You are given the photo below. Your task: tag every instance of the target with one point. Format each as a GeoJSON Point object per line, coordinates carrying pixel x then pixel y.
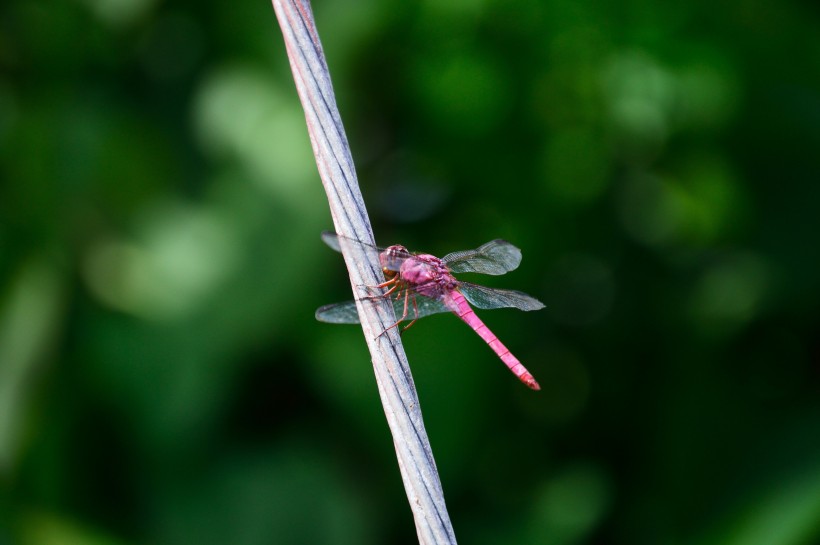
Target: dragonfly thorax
{"type": "Point", "coordinates": [427, 275]}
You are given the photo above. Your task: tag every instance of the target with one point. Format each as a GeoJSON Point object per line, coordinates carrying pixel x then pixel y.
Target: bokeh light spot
{"type": "Point", "coordinates": [242, 114]}
{"type": "Point", "coordinates": [640, 95]}
{"type": "Point", "coordinates": [700, 206]}
{"type": "Point", "coordinates": [117, 13]}
{"type": "Point", "coordinates": [572, 503]}
{"type": "Point", "coordinates": [47, 528]}
{"type": "Point", "coordinates": [183, 255]}
{"type": "Point", "coordinates": [730, 292]}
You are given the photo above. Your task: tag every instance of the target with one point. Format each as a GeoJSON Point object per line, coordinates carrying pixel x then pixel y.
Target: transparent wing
{"type": "Point", "coordinates": [346, 313]}
{"type": "Point", "coordinates": [425, 305]}
{"type": "Point", "coordinates": [338, 313]}
{"type": "Point", "coordinates": [331, 239]}
{"type": "Point", "coordinates": [496, 257]}
{"type": "Point", "coordinates": [483, 297]}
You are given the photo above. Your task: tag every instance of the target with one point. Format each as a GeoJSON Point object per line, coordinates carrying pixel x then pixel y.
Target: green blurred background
{"type": "Point", "coordinates": [162, 377]}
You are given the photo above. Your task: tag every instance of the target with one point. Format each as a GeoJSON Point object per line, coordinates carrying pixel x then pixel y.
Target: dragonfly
{"type": "Point", "coordinates": [423, 284]}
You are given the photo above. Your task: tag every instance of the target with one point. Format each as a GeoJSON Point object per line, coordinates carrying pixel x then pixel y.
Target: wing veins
{"type": "Point", "coordinates": [488, 298]}
{"type": "Point", "coordinates": [495, 257]}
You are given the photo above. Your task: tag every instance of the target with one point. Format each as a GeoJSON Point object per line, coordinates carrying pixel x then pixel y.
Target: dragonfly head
{"type": "Point", "coordinates": [391, 259]}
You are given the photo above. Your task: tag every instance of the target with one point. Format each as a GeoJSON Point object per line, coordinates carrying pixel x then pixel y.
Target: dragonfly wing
{"type": "Point", "coordinates": [338, 313]}
{"type": "Point", "coordinates": [334, 241]}
{"type": "Point", "coordinates": [346, 313]}
{"type": "Point", "coordinates": [496, 257]}
{"type": "Point", "coordinates": [331, 239]}
{"type": "Point", "coordinates": [483, 297]}
{"type": "Point", "coordinates": [425, 305]}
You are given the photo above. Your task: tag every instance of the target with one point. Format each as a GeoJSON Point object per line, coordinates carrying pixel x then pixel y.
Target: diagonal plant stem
{"type": "Point", "coordinates": [336, 169]}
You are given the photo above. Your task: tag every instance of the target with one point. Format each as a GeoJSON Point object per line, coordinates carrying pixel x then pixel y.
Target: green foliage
{"type": "Point", "coordinates": [162, 379]}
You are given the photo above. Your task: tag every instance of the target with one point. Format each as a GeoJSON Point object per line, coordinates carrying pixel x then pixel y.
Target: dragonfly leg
{"type": "Point", "coordinates": [415, 314]}
{"type": "Point", "coordinates": [378, 296]}
{"type": "Point", "coordinates": [391, 290]}
{"type": "Point", "coordinates": [394, 282]}
{"type": "Point", "coordinates": [404, 314]}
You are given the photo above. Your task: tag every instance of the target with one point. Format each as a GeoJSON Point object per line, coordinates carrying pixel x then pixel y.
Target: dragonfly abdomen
{"type": "Point", "coordinates": [463, 310]}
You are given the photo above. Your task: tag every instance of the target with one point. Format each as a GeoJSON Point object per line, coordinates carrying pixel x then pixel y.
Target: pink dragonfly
{"type": "Point", "coordinates": [426, 283]}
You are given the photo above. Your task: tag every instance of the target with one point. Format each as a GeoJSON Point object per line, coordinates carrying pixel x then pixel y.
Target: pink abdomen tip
{"type": "Point", "coordinates": [530, 381]}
